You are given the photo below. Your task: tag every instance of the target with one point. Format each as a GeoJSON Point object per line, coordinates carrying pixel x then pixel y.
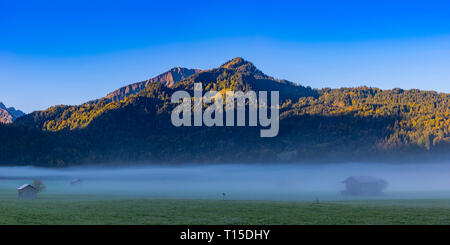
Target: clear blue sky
{"type": "Point", "coordinates": [69, 52]}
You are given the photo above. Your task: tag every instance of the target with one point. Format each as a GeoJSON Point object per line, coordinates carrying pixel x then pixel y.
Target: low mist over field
{"type": "Point", "coordinates": [237, 181]}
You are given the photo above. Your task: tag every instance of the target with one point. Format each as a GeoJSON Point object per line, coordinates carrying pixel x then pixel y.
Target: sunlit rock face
{"type": "Point", "coordinates": [8, 115]}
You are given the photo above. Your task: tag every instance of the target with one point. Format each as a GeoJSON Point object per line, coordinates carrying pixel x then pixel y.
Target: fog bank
{"type": "Point", "coordinates": [237, 181]}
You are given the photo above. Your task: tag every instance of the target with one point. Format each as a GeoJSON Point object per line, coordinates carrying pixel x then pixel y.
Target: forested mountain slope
{"type": "Point", "coordinates": [347, 124]}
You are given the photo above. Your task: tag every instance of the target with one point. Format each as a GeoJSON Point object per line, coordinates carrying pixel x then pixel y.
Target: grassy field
{"type": "Point", "coordinates": [85, 210]}
{"type": "Point", "coordinates": [189, 196]}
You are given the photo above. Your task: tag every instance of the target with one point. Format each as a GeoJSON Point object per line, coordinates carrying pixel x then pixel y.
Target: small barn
{"type": "Point", "coordinates": [27, 191]}
{"type": "Point", "coordinates": [364, 186]}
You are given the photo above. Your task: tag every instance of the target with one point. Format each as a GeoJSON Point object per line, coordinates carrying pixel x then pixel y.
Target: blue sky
{"type": "Point", "coordinates": [69, 52]}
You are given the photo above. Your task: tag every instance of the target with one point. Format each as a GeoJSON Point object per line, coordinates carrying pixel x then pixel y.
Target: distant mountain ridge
{"type": "Point", "coordinates": [168, 78]}
{"type": "Point", "coordinates": [9, 115]}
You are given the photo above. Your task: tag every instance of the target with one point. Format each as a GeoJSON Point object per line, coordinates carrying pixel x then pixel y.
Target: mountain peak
{"type": "Point", "coordinates": [8, 115]}
{"type": "Point", "coordinates": [236, 63]}
{"type": "Point", "coordinates": [178, 69]}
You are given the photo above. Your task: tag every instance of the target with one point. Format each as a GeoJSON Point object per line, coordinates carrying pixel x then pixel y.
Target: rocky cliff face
{"type": "Point", "coordinates": [8, 115]}
{"type": "Point", "coordinates": [168, 78]}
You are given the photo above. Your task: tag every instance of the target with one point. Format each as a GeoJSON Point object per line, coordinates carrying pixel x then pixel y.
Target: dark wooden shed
{"type": "Point", "coordinates": [27, 191]}
{"type": "Point", "coordinates": [364, 186]}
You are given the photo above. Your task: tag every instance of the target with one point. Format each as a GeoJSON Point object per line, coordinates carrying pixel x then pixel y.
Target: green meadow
{"type": "Point", "coordinates": [94, 210]}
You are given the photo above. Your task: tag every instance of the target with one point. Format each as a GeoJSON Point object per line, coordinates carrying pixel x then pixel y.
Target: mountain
{"type": "Point", "coordinates": [316, 125]}
{"type": "Point", "coordinates": [236, 74]}
{"type": "Point", "coordinates": [8, 115]}
{"type": "Point", "coordinates": [168, 78]}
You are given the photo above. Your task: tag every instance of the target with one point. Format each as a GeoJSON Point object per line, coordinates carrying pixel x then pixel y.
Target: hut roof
{"type": "Point", "coordinates": [25, 186]}
{"type": "Point", "coordinates": [362, 179]}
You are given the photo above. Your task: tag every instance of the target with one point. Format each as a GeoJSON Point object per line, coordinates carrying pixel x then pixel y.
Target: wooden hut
{"type": "Point", "coordinates": [364, 186]}
{"type": "Point", "coordinates": [27, 191]}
